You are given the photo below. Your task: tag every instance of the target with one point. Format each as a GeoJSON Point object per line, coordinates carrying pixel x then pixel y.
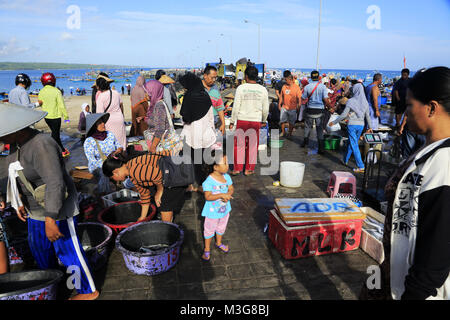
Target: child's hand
{"type": "Point", "coordinates": [226, 197]}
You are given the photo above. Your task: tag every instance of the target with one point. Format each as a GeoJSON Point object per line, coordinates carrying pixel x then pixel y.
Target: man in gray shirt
{"type": "Point", "coordinates": [19, 94]}
{"type": "Point", "coordinates": [317, 95]}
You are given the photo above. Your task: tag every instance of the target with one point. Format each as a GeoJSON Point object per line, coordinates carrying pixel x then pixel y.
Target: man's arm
{"type": "Point", "coordinates": [25, 101]}
{"type": "Point", "coordinates": [403, 124]}
{"type": "Point", "coordinates": [375, 93]}
{"type": "Point", "coordinates": [222, 121]}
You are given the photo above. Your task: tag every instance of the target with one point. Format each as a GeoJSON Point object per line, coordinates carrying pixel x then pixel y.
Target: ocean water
{"type": "Point", "coordinates": [65, 78]}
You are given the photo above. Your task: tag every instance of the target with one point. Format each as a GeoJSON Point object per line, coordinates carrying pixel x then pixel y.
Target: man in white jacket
{"type": "Point", "coordinates": [250, 111]}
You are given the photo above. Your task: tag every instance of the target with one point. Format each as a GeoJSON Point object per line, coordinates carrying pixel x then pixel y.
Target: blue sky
{"type": "Point", "coordinates": [175, 33]}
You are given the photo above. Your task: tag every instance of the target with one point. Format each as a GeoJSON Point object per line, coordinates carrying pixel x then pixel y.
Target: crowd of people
{"type": "Point", "coordinates": [43, 194]}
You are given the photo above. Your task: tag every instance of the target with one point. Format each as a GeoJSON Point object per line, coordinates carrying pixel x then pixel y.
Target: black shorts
{"type": "Point", "coordinates": [172, 199]}
{"type": "Point", "coordinates": [400, 108]}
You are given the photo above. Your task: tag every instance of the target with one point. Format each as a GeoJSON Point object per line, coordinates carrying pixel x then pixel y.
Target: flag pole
{"type": "Point", "coordinates": [318, 37]}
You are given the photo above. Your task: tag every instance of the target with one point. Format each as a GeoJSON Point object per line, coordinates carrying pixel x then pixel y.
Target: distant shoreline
{"type": "Point", "coordinates": [12, 66]}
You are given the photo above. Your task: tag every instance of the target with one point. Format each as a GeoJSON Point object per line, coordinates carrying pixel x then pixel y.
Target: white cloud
{"type": "Point", "coordinates": [66, 36]}
{"type": "Point", "coordinates": [41, 7]}
{"type": "Point", "coordinates": [11, 47]}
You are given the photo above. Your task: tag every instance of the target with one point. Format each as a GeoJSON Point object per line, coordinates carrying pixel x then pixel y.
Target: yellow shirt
{"type": "Point", "coordinates": [53, 103]}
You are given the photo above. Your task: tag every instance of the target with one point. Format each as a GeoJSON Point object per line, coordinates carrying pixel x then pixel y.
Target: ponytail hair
{"type": "Point", "coordinates": [112, 163]}
{"type": "Point", "coordinates": [217, 155]}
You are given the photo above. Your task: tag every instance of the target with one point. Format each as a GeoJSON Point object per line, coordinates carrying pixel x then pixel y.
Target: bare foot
{"type": "Point", "coordinates": [86, 296]}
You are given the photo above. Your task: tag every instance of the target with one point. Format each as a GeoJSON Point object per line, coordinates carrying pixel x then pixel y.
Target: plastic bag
{"type": "Point", "coordinates": [335, 127]}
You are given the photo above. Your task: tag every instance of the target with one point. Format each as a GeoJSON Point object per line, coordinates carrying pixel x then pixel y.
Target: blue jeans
{"type": "Point", "coordinates": [354, 133]}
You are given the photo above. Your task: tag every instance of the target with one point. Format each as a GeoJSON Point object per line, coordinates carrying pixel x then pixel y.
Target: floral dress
{"type": "Point", "coordinates": [95, 161]}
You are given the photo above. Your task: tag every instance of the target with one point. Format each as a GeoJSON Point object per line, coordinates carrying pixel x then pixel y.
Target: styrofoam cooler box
{"type": "Point", "coordinates": [300, 211]}
{"type": "Point", "coordinates": [111, 199]}
{"type": "Point", "coordinates": [315, 239]}
{"type": "Point", "coordinates": [370, 244]}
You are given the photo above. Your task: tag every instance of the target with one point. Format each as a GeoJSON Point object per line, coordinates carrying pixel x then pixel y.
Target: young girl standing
{"type": "Point", "coordinates": [218, 189]}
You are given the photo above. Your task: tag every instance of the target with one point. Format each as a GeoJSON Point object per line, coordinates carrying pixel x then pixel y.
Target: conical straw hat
{"type": "Point", "coordinates": [14, 118]}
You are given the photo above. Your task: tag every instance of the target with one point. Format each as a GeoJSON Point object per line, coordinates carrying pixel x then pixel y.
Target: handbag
{"type": "Point", "coordinates": [37, 193]}
{"type": "Point", "coordinates": [176, 175]}
{"type": "Point", "coordinates": [170, 141]}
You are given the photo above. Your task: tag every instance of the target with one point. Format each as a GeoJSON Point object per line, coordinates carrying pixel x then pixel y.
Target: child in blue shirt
{"type": "Point", "coordinates": [218, 189]}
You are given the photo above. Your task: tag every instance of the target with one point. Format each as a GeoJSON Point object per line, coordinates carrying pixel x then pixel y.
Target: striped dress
{"type": "Point", "coordinates": [144, 173]}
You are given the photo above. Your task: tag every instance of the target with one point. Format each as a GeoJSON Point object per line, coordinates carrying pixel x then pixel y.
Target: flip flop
{"type": "Point", "coordinates": [223, 248]}
{"type": "Point", "coordinates": [235, 173]}
{"type": "Point", "coordinates": [206, 255]}
{"type": "Point", "coordinates": [249, 173]}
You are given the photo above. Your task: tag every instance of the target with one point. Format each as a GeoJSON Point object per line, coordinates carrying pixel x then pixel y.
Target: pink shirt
{"type": "Point", "coordinates": [102, 100]}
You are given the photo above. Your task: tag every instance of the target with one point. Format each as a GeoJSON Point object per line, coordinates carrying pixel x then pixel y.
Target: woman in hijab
{"type": "Point", "coordinates": [198, 117]}
{"type": "Point", "coordinates": [156, 116]}
{"type": "Point", "coordinates": [98, 146]}
{"type": "Point", "coordinates": [357, 109]}
{"type": "Point", "coordinates": [139, 106]}
{"type": "Point", "coordinates": [84, 112]}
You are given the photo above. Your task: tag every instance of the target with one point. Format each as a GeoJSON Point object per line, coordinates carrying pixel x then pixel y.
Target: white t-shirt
{"type": "Point", "coordinates": [251, 103]}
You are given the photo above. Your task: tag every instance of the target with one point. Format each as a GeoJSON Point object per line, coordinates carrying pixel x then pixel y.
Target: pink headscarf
{"type": "Point", "coordinates": [155, 91]}
{"type": "Point", "coordinates": [138, 92]}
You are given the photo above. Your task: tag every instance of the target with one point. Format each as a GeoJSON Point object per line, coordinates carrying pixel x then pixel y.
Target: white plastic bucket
{"type": "Point", "coordinates": [291, 174]}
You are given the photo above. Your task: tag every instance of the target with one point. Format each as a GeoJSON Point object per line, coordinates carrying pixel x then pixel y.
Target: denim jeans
{"type": "Point", "coordinates": [354, 133]}
{"type": "Point", "coordinates": [309, 121]}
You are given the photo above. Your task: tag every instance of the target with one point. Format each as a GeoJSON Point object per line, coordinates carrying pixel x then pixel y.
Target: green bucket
{"type": "Point", "coordinates": [276, 143]}
{"type": "Point", "coordinates": [331, 142]}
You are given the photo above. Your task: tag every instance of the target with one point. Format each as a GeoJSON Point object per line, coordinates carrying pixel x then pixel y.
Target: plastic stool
{"type": "Point", "coordinates": [339, 178]}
